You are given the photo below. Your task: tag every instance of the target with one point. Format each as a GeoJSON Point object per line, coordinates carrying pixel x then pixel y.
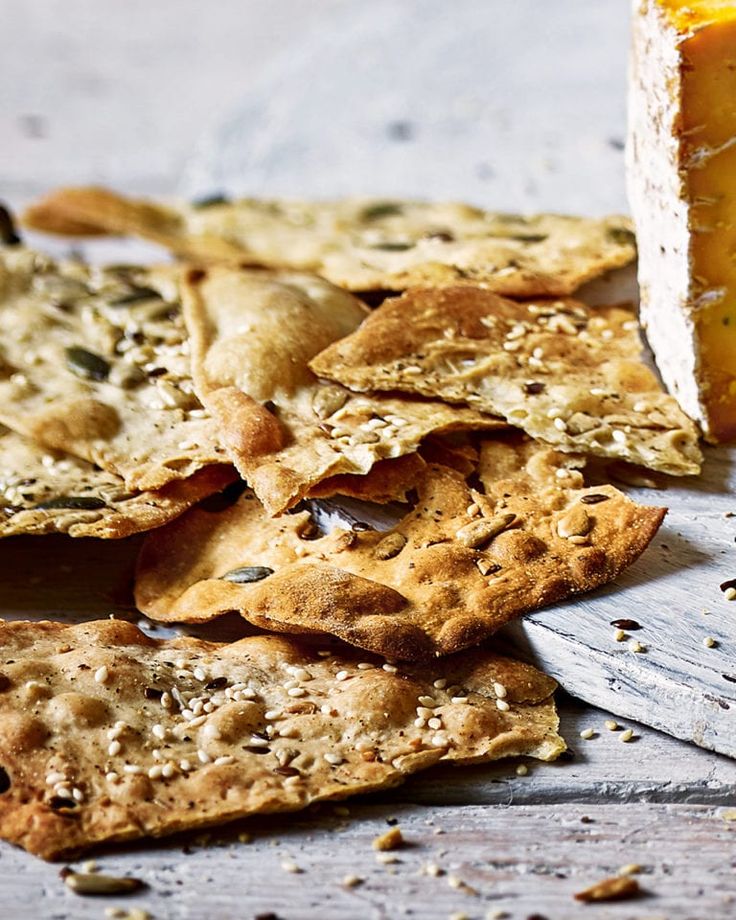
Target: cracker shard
{"type": "Point", "coordinates": [363, 244]}
{"type": "Point", "coordinates": [566, 374]}
{"type": "Point", "coordinates": [457, 567]}
{"type": "Point", "coordinates": [84, 762]}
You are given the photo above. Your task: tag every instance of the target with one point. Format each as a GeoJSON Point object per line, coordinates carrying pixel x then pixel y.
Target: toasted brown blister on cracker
{"type": "Point", "coordinates": [570, 375]}
{"type": "Point", "coordinates": [361, 244]}
{"type": "Point", "coordinates": [457, 567]}
{"type": "Point", "coordinates": [44, 491]}
{"type": "Point", "coordinates": [95, 362]}
{"type": "Point", "coordinates": [252, 335]}
{"type": "Point", "coordinates": [109, 735]}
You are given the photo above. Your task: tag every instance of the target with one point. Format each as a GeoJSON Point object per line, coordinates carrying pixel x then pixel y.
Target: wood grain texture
{"type": "Point", "coordinates": [519, 861]}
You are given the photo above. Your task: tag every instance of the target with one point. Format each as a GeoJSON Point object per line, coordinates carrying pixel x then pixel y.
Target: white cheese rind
{"type": "Point", "coordinates": [660, 207]}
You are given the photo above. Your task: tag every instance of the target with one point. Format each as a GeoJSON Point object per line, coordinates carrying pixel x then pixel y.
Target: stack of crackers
{"type": "Point", "coordinates": [428, 357]}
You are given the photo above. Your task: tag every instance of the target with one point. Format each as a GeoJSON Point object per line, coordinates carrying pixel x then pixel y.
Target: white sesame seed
{"type": "Point", "coordinates": [224, 760]}
{"type": "Point", "coordinates": [472, 510]}
{"type": "Point", "coordinates": [77, 794]}
{"type": "Point", "coordinates": [587, 733]}
{"type": "Point", "coordinates": [301, 674]}
{"type": "Point", "coordinates": [292, 867]}
{"type": "Point", "coordinates": [363, 745]}
{"type": "Point", "coordinates": [560, 424]}
{"type": "Point", "coordinates": [325, 709]}
{"type": "Point", "coordinates": [709, 642]}
{"type": "Point", "coordinates": [459, 699]}
{"type": "Point", "coordinates": [101, 675]}
{"type": "Point", "coordinates": [187, 715]}
{"type": "Point", "coordinates": [296, 691]}
{"type": "Point", "coordinates": [112, 776]}
{"type": "Point", "coordinates": [204, 757]}
{"type": "Point", "coordinates": [499, 690]}
{"type": "Point", "coordinates": [365, 666]}
{"type": "Point", "coordinates": [257, 742]}
{"type": "Point", "coordinates": [352, 881]}
{"type": "Point", "coordinates": [185, 766]}
{"type": "Point", "coordinates": [597, 391]}
{"type": "Point", "coordinates": [627, 735]}
{"type": "Point", "coordinates": [434, 870]}
{"type": "Point", "coordinates": [454, 882]}
{"type": "Point", "coordinates": [155, 772]}
{"type": "Point", "coordinates": [428, 701]}
{"type": "Point", "coordinates": [730, 594]}
{"type": "Point", "coordinates": [197, 721]}
{"type": "Point", "coordinates": [522, 769]}
{"type": "Point", "coordinates": [619, 635]}
{"type": "Point", "coordinates": [158, 731]}
{"type": "Point", "coordinates": [132, 768]}
{"type": "Point", "coordinates": [199, 674]}
{"type": "Point", "coordinates": [114, 748]}
{"type": "Point", "coordinates": [248, 693]}
{"type": "Point", "coordinates": [619, 436]}
{"type": "Point", "coordinates": [420, 723]}
{"type": "Point", "coordinates": [167, 771]}
{"type": "Point", "coordinates": [424, 712]}
{"type": "Point", "coordinates": [333, 759]}
{"type": "Point", "coordinates": [611, 725]}
{"type": "Point", "coordinates": [166, 700]}
{"type": "Point", "coordinates": [53, 778]}
{"type": "Point", "coordinates": [342, 675]}
{"type": "Point", "coordinates": [434, 723]}
{"type": "Point", "coordinates": [502, 705]}
{"type": "Point", "coordinates": [390, 668]}
{"type": "Point", "coordinates": [273, 714]}
{"type": "Point", "coordinates": [439, 740]}
{"type": "Point", "coordinates": [554, 412]}
{"type": "Point", "coordinates": [440, 684]}
{"type": "Point", "coordinates": [636, 646]}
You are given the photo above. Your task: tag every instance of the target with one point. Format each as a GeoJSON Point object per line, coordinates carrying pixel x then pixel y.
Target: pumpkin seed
{"type": "Point", "coordinates": [592, 498]}
{"type": "Point", "coordinates": [225, 499]}
{"type": "Point", "coordinates": [94, 883]}
{"type": "Point", "coordinates": [529, 237]}
{"type": "Point", "coordinates": [482, 531]}
{"type": "Point", "coordinates": [533, 388]}
{"type": "Point", "coordinates": [8, 233]}
{"type": "Point", "coordinates": [575, 523]}
{"type": "Point", "coordinates": [4, 780]}
{"type": "Point", "coordinates": [72, 503]}
{"type": "Point", "coordinates": [380, 209]}
{"type": "Point", "coordinates": [209, 201]}
{"type": "Point", "coordinates": [246, 574]}
{"type": "Point", "coordinates": [390, 546]}
{"type": "Point", "coordinates": [622, 236]}
{"type": "Point", "coordinates": [393, 247]}
{"type": "Point", "coordinates": [86, 364]}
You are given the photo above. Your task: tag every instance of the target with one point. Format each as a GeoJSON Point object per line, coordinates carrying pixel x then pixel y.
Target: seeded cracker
{"type": "Point", "coordinates": [95, 362]}
{"type": "Point", "coordinates": [108, 735]}
{"type": "Point", "coordinates": [252, 335]}
{"type": "Point", "coordinates": [48, 492]}
{"type": "Point", "coordinates": [363, 245]}
{"type": "Point", "coordinates": [568, 375]}
{"type": "Point", "coordinates": [453, 571]}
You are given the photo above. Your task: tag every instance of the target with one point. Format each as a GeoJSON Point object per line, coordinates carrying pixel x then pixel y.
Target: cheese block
{"type": "Point", "coordinates": [681, 169]}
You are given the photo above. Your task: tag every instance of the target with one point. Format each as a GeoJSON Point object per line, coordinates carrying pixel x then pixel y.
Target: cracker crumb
{"type": "Point", "coordinates": [627, 735]}
{"type": "Point", "coordinates": [288, 866]}
{"type": "Point", "coordinates": [391, 840]}
{"type": "Point", "coordinates": [587, 733]}
{"type": "Point", "coordinates": [611, 725]}
{"type": "Point", "coordinates": [630, 869]}
{"type": "Point", "coordinates": [522, 770]}
{"type": "Point", "coordinates": [710, 642]}
{"type": "Point", "coordinates": [617, 888]}
{"type": "Point", "coordinates": [352, 881]}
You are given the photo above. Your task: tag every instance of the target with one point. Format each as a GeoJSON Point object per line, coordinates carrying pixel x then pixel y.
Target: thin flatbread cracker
{"type": "Point", "coordinates": [569, 375]}
{"type": "Point", "coordinates": [95, 362]}
{"type": "Point", "coordinates": [363, 244]}
{"type": "Point", "coordinates": [457, 567]}
{"type": "Point", "coordinates": [48, 492]}
{"type": "Point", "coordinates": [252, 334]}
{"type": "Point", "coordinates": [387, 481]}
{"type": "Point", "coordinates": [109, 735]}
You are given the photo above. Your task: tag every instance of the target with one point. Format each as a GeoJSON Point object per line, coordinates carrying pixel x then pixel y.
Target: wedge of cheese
{"type": "Point", "coordinates": [681, 168]}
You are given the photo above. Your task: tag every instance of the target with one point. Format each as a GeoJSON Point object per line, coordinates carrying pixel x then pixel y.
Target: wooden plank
{"type": "Point", "coordinates": [521, 861]}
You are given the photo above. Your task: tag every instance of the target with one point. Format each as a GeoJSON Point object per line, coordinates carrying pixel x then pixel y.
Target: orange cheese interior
{"type": "Point", "coordinates": [708, 158]}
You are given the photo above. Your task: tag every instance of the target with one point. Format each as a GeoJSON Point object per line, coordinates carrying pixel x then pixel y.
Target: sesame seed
{"type": "Point", "coordinates": [289, 866]}
{"type": "Point", "coordinates": [101, 675]}
{"type": "Point", "coordinates": [709, 642]}
{"type": "Point", "coordinates": [439, 740]}
{"type": "Point", "coordinates": [472, 510]}
{"type": "Point", "coordinates": [199, 674]}
{"type": "Point", "coordinates": [296, 691]}
{"type": "Point", "coordinates": [420, 723]}
{"type": "Point", "coordinates": [204, 757]}
{"type": "Point", "coordinates": [257, 742]}
{"type": "Point", "coordinates": [365, 666]}
{"type": "Point", "coordinates": [459, 699]}
{"type": "Point", "coordinates": [619, 436]}
{"type": "Point", "coordinates": [224, 760]}
{"type": "Point", "coordinates": [627, 735]}
{"type": "Point", "coordinates": [352, 881]}
{"type": "Point", "coordinates": [185, 766]}
{"type": "Point", "coordinates": [289, 732]}
{"type": "Point", "coordinates": [342, 675]}
{"type": "Point", "coordinates": [434, 723]}
{"type": "Point", "coordinates": [502, 705]}
{"type": "Point", "coordinates": [386, 858]}
{"type": "Point", "coordinates": [77, 794]}
{"type": "Point", "coordinates": [158, 731]}
{"type": "Point", "coordinates": [440, 684]}
{"type": "Point", "coordinates": [132, 768]}
{"type": "Point", "coordinates": [522, 769]}
{"type": "Point", "coordinates": [630, 869]}
{"type": "Point", "coordinates": [53, 778]}
{"type": "Point", "coordinates": [390, 668]}
{"type": "Point", "coordinates": [424, 712]}
{"type": "Point", "coordinates": [560, 424]}
{"type": "Point", "coordinates": [166, 700]}
{"type": "Point", "coordinates": [428, 701]}
{"type": "Point", "coordinates": [114, 748]}
{"type": "Point", "coordinates": [112, 776]}
{"type": "Point", "coordinates": [730, 594]}
{"type": "Point", "coordinates": [301, 674]}
{"type": "Point", "coordinates": [454, 882]}
{"type": "Point", "coordinates": [499, 690]}
{"type": "Point", "coordinates": [248, 693]}
{"type": "Point", "coordinates": [619, 635]}
{"type": "Point", "coordinates": [363, 745]}
{"type": "Point", "coordinates": [325, 709]}
{"type": "Point", "coordinates": [611, 725]}
{"type": "Point", "coordinates": [636, 646]}
{"type": "Point", "coordinates": [273, 714]}
{"type": "Point", "coordinates": [333, 759]}
{"type": "Point", "coordinates": [434, 870]}
{"type": "Point", "coordinates": [587, 734]}
{"type": "Point", "coordinates": [155, 772]}
{"type": "Point", "coordinates": [167, 771]}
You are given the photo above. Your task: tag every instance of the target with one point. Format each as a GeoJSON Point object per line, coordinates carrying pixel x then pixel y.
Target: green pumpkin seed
{"type": "Point", "coordinates": [209, 201]}
{"type": "Point", "coordinates": [8, 233]}
{"type": "Point", "coordinates": [622, 236]}
{"type": "Point", "coordinates": [246, 574]}
{"type": "Point", "coordinates": [86, 364]}
{"type": "Point", "coordinates": [95, 883]}
{"type": "Point", "coordinates": [529, 237]}
{"type": "Point", "coordinates": [393, 247]}
{"type": "Point", "coordinates": [380, 209]}
{"type": "Point", "coordinates": [72, 503]}
{"type": "Point", "coordinates": [136, 295]}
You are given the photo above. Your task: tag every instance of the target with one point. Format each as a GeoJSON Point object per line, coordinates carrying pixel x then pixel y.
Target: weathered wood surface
{"type": "Point", "coordinates": [516, 862]}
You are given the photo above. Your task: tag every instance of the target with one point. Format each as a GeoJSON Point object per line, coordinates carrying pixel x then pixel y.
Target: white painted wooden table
{"type": "Point", "coordinates": [515, 105]}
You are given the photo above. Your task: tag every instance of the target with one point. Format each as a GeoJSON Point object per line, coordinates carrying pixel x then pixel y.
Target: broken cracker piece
{"type": "Point", "coordinates": [567, 374]}
{"type": "Point", "coordinates": [104, 737]}
{"type": "Point", "coordinates": [362, 244]}
{"type": "Point", "coordinates": [617, 888]}
{"type": "Point", "coordinates": [457, 567]}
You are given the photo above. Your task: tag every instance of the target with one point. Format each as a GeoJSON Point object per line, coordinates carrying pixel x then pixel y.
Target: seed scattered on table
{"type": "Point", "coordinates": [610, 889]}
{"type": "Point", "coordinates": [391, 840]}
{"type": "Point", "coordinates": [709, 642]}
{"type": "Point", "coordinates": [587, 733]}
{"type": "Point", "coordinates": [627, 735]}
{"type": "Point", "coordinates": [611, 725]}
